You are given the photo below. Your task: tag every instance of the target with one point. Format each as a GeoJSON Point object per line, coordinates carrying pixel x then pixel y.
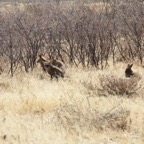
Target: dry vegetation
{"type": "Point", "coordinates": [35, 110]}
{"type": "Point", "coordinates": [95, 103]}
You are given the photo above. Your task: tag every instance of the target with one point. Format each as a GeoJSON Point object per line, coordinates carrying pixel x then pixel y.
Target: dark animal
{"type": "Point", "coordinates": [57, 63]}
{"type": "Point", "coordinates": [1, 70]}
{"type": "Point", "coordinates": [53, 71]}
{"type": "Point", "coordinates": [128, 71]}
{"type": "Point", "coordinates": [53, 61]}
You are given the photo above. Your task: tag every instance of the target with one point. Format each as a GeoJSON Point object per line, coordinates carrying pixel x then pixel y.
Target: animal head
{"type": "Point", "coordinates": [42, 62]}
{"type": "Point", "coordinates": [41, 59]}
{"type": "Point", "coordinates": [128, 71]}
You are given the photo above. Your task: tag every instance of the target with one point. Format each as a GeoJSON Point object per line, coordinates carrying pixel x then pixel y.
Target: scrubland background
{"type": "Point", "coordinates": [94, 103]}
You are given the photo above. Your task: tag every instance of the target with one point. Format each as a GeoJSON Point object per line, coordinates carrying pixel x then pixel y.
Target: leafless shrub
{"type": "Point", "coordinates": [130, 17]}
{"type": "Point", "coordinates": [77, 33]}
{"type": "Point", "coordinates": [72, 118]}
{"type": "Point", "coordinates": [121, 86]}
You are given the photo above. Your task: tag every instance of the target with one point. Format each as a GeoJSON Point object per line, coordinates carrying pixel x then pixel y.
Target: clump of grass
{"type": "Point", "coordinates": [2, 105]}
{"type": "Point", "coordinates": [73, 118]}
{"type": "Point", "coordinates": [120, 86]}
{"type": "Point", "coordinates": [35, 106]}
{"type": "Point", "coordinates": [91, 87]}
{"type": "Point", "coordinates": [117, 119]}
{"type": "Point", "coordinates": [4, 86]}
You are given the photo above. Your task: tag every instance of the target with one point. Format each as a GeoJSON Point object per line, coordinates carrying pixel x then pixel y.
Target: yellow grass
{"type": "Point", "coordinates": [30, 104]}
{"type": "Point", "coordinates": [9, 7]}
{"type": "Point", "coordinates": [99, 5]}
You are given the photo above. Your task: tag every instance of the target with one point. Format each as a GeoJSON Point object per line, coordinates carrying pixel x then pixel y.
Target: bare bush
{"type": "Point", "coordinates": [77, 33]}
{"type": "Point", "coordinates": [130, 15]}
{"type": "Point", "coordinates": [121, 86]}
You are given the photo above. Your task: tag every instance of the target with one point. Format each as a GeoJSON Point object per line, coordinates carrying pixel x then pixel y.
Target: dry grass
{"type": "Point", "coordinates": [121, 86]}
{"type": "Point", "coordinates": [36, 110]}
{"type": "Point", "coordinates": [7, 7]}
{"type": "Point", "coordinates": [99, 6]}
{"type": "Point", "coordinates": [89, 106]}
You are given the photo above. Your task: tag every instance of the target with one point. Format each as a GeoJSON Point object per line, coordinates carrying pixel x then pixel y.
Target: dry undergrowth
{"type": "Point", "coordinates": [121, 86]}
{"type": "Point", "coordinates": [72, 117]}
{"type": "Point", "coordinates": [34, 109]}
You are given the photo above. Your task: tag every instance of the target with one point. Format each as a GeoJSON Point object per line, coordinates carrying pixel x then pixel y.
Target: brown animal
{"type": "Point", "coordinates": [128, 71]}
{"type": "Point", "coordinates": [53, 71]}
{"type": "Point", "coordinates": [53, 61]}
{"type": "Point", "coordinates": [57, 63]}
{"type": "Point", "coordinates": [1, 70]}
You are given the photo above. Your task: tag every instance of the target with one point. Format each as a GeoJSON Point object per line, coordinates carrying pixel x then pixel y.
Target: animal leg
{"type": "Point", "coordinates": [51, 77]}
{"type": "Point", "coordinates": [56, 77]}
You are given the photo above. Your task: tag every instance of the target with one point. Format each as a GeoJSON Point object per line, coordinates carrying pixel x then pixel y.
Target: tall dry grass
{"type": "Point", "coordinates": [87, 106]}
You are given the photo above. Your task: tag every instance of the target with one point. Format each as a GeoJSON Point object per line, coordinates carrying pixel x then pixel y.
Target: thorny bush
{"type": "Point", "coordinates": [121, 86]}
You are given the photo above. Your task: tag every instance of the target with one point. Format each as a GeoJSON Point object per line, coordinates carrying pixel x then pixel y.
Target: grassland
{"type": "Point", "coordinates": [76, 109]}
{"type": "Point", "coordinates": [88, 106]}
